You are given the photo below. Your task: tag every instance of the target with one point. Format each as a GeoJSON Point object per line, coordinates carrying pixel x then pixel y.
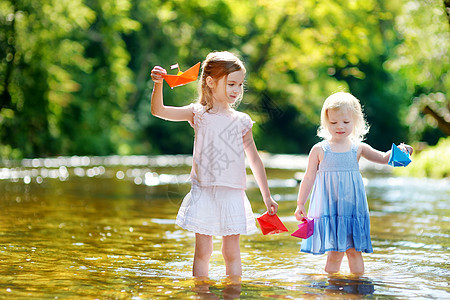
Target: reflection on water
{"type": "Point", "coordinates": [104, 227]}
{"type": "Point", "coordinates": [346, 286]}
{"type": "Point", "coordinates": [333, 286]}
{"type": "Point", "coordinates": [208, 289]}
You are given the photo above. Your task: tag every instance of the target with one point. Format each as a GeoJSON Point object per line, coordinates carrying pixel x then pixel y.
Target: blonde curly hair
{"type": "Point", "coordinates": [343, 100]}
{"type": "Point", "coordinates": [216, 66]}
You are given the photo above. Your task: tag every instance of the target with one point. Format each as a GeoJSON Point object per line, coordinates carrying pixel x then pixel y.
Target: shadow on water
{"type": "Point", "coordinates": [104, 227]}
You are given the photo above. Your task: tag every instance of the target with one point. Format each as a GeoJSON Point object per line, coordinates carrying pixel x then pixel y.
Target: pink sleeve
{"type": "Point", "coordinates": [247, 123]}
{"type": "Point", "coordinates": [198, 110]}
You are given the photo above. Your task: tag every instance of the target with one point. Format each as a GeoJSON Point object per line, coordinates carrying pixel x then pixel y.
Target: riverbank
{"type": "Point", "coordinates": [137, 166]}
{"type": "Point", "coordinates": [432, 162]}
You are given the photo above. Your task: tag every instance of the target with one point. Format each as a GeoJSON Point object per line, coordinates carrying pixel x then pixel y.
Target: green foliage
{"type": "Point", "coordinates": [432, 162]}
{"type": "Point", "coordinates": [422, 62]}
{"type": "Point", "coordinates": [66, 80]}
{"type": "Point", "coordinates": [74, 77]}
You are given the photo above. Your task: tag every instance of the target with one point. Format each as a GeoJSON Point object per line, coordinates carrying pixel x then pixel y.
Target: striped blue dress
{"type": "Point", "coordinates": [338, 205]}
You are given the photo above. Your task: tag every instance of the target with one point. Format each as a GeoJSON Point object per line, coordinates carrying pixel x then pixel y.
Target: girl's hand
{"type": "Point", "coordinates": [271, 205]}
{"type": "Point", "coordinates": [157, 74]}
{"type": "Point", "coordinates": [300, 212]}
{"type": "Point", "coordinates": [406, 148]}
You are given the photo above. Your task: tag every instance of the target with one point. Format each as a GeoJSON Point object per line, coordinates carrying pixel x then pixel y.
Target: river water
{"type": "Point", "coordinates": [104, 228]}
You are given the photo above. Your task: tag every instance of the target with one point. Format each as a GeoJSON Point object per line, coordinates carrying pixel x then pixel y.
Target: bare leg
{"type": "Point", "coordinates": [231, 252]}
{"type": "Point", "coordinates": [203, 251]}
{"type": "Point", "coordinates": [355, 261]}
{"type": "Point", "coordinates": [334, 261]}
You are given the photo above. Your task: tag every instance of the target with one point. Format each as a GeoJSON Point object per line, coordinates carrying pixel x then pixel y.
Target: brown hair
{"type": "Point", "coordinates": [216, 66]}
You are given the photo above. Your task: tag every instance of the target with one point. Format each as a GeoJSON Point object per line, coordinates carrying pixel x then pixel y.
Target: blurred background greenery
{"type": "Point", "coordinates": [74, 75]}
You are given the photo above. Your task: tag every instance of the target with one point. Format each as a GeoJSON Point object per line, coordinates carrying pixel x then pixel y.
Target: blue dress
{"type": "Point", "coordinates": [338, 205]}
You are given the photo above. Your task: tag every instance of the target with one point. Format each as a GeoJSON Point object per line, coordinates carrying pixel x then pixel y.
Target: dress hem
{"type": "Point", "coordinates": [335, 250]}
{"type": "Point", "coordinates": [206, 232]}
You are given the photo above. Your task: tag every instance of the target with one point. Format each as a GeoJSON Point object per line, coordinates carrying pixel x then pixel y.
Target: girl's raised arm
{"type": "Point", "coordinates": [374, 155]}
{"type": "Point", "coordinates": [380, 157]}
{"type": "Point", "coordinates": [158, 109]}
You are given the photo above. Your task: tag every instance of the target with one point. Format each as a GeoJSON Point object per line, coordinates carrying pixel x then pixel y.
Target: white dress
{"type": "Point", "coordinates": [217, 203]}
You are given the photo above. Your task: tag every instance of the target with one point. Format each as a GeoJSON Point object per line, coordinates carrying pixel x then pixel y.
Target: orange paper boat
{"type": "Point", "coordinates": [183, 78]}
{"type": "Point", "coordinates": [270, 224]}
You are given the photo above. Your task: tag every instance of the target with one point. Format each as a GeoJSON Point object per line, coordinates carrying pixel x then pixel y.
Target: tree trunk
{"type": "Point", "coordinates": [443, 124]}
{"type": "Point", "coordinates": [447, 9]}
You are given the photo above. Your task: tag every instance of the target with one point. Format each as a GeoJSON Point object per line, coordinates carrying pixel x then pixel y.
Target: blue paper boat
{"type": "Point", "coordinates": [398, 158]}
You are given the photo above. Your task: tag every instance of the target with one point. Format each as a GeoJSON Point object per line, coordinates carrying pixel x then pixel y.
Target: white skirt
{"type": "Point", "coordinates": [216, 210]}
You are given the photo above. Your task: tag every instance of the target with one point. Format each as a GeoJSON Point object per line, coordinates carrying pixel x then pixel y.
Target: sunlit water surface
{"type": "Point", "coordinates": [105, 228]}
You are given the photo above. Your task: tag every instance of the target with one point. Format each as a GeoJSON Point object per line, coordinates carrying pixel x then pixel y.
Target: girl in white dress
{"type": "Point", "coordinates": [217, 203]}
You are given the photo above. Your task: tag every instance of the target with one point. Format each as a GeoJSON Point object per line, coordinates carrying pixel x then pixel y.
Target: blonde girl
{"type": "Point", "coordinates": [217, 203]}
{"type": "Point", "coordinates": [338, 199]}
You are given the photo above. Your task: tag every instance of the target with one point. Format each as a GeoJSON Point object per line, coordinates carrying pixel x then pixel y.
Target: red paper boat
{"type": "Point", "coordinates": [183, 78]}
{"type": "Point", "coordinates": [270, 224]}
{"type": "Point", "coordinates": [305, 229]}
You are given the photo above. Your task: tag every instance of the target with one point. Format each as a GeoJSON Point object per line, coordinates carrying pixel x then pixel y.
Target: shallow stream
{"type": "Point", "coordinates": [104, 228]}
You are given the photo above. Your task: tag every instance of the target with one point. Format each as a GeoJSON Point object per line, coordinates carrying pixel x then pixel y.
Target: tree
{"type": "Point", "coordinates": [423, 62]}
{"type": "Point", "coordinates": [64, 77]}
{"type": "Point", "coordinates": [74, 74]}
